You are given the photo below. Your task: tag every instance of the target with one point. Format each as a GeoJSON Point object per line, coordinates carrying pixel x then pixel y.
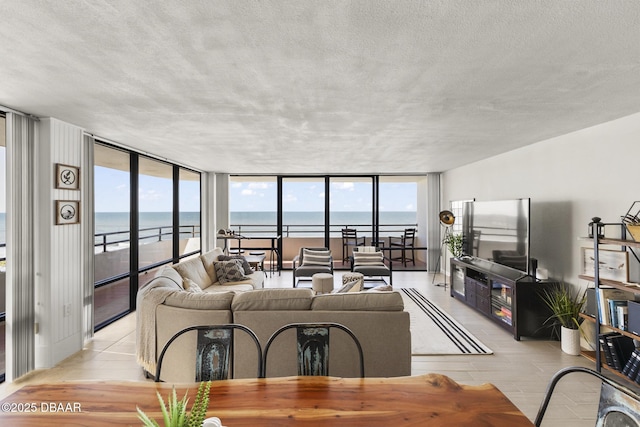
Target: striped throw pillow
{"type": "Point", "coordinates": [367, 258]}
{"type": "Point", "coordinates": [311, 257]}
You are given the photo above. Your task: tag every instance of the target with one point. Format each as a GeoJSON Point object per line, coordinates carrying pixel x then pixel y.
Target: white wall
{"type": "Point", "coordinates": [59, 249]}
{"type": "Point", "coordinates": [570, 179]}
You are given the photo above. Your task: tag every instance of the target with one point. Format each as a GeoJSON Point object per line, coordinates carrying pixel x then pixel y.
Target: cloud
{"type": "Point", "coordinates": [259, 185]}
{"type": "Point", "coordinates": [247, 192]}
{"type": "Point", "coordinates": [348, 186]}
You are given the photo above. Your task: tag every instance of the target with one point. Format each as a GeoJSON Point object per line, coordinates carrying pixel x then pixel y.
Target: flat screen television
{"type": "Point", "coordinates": [498, 231]}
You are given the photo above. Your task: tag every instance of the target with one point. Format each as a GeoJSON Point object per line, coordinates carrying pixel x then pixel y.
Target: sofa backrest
{"type": "Point", "coordinates": [378, 320]}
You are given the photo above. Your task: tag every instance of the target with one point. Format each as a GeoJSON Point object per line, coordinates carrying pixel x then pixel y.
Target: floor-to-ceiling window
{"type": "Point", "coordinates": [155, 212]}
{"type": "Point", "coordinates": [189, 212]}
{"type": "Point", "coordinates": [351, 206]}
{"type": "Point", "coordinates": [112, 184]}
{"type": "Point", "coordinates": [147, 214]}
{"type": "Point", "coordinates": [303, 214]}
{"type": "Point", "coordinates": [3, 247]}
{"type": "Point", "coordinates": [312, 210]}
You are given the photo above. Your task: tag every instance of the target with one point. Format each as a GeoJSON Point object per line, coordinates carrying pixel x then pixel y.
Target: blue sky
{"type": "Point", "coordinates": [112, 194]}
{"type": "Point", "coordinates": [308, 196]}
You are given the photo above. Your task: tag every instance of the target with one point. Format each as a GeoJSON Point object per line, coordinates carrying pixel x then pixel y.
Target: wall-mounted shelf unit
{"type": "Point", "coordinates": [598, 233]}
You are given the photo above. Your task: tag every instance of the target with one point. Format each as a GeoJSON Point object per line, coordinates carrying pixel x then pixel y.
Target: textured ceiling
{"type": "Point", "coordinates": [324, 86]}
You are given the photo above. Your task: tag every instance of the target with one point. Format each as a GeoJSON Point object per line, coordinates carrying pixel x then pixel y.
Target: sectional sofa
{"type": "Point", "coordinates": [169, 303]}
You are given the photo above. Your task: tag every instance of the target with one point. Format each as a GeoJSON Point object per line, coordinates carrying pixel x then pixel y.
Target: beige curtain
{"type": "Point", "coordinates": [21, 136]}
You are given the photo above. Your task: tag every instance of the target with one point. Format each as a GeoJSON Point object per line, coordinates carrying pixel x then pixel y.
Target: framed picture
{"type": "Point", "coordinates": [67, 177]}
{"type": "Point", "coordinates": [67, 212]}
{"type": "Point", "coordinates": [613, 265]}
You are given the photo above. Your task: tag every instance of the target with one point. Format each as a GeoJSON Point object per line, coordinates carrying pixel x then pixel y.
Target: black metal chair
{"type": "Point", "coordinates": [372, 264]}
{"type": "Point", "coordinates": [350, 239]}
{"type": "Point", "coordinates": [214, 352]}
{"type": "Point", "coordinates": [404, 243]}
{"type": "Point", "coordinates": [319, 260]}
{"type": "Point", "coordinates": [618, 406]}
{"type": "Point", "coordinates": [313, 347]}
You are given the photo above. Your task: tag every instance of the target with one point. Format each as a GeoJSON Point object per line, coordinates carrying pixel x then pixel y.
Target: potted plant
{"type": "Point", "coordinates": [175, 411]}
{"type": "Point", "coordinates": [566, 307]}
{"type": "Point", "coordinates": [454, 243]}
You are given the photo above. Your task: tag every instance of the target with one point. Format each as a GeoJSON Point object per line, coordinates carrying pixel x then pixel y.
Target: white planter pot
{"type": "Point", "coordinates": [570, 341]}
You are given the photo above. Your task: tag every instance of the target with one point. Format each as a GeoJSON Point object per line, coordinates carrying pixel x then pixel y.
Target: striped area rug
{"type": "Point", "coordinates": [433, 331]}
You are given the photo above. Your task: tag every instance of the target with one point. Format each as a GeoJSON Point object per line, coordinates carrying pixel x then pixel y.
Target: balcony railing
{"type": "Point", "coordinates": [306, 230]}
{"type": "Point", "coordinates": [146, 235]}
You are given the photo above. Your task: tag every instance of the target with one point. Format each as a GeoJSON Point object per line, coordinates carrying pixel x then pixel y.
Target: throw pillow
{"type": "Point", "coordinates": [351, 286]}
{"type": "Point", "coordinates": [245, 265]}
{"type": "Point", "coordinates": [191, 286]}
{"type": "Point", "coordinates": [229, 271]}
{"type": "Point", "coordinates": [313, 257]}
{"type": "Point", "coordinates": [367, 258]}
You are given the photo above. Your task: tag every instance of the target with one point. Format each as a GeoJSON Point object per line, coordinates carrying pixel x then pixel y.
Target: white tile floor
{"type": "Point", "coordinates": [521, 369]}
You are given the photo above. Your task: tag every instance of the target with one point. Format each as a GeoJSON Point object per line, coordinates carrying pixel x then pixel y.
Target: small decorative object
{"type": "Point", "coordinates": [612, 265]}
{"type": "Point", "coordinates": [175, 411]}
{"type": "Point", "coordinates": [67, 212]}
{"type": "Point", "coordinates": [599, 227]}
{"type": "Point", "coordinates": [566, 308]}
{"type": "Point", "coordinates": [67, 177]}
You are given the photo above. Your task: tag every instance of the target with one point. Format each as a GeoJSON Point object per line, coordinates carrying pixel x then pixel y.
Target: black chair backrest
{"type": "Point", "coordinates": [214, 352]}
{"type": "Point", "coordinates": [313, 347]}
{"type": "Point", "coordinates": [409, 236]}
{"type": "Point", "coordinates": [618, 405]}
{"type": "Point", "coordinates": [349, 233]}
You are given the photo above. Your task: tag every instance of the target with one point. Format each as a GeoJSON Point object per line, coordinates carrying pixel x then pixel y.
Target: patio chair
{"type": "Point", "coordinates": [311, 261]}
{"type": "Point", "coordinates": [370, 262]}
{"type": "Point", "coordinates": [313, 347]}
{"type": "Point", "coordinates": [404, 243]}
{"type": "Point", "coordinates": [350, 239]}
{"type": "Point", "coordinates": [214, 351]}
{"type": "Point", "coordinates": [618, 405]}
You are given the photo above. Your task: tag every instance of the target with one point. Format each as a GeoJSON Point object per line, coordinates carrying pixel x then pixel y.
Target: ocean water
{"type": "Point", "coordinates": [298, 223]}
{"type": "Point", "coordinates": [312, 223]}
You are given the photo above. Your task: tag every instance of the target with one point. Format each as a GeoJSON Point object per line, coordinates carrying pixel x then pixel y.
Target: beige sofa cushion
{"type": "Point", "coordinates": [194, 269]}
{"type": "Point", "coordinates": [358, 301]}
{"type": "Point", "coordinates": [207, 260]}
{"type": "Point", "coordinates": [201, 301]}
{"type": "Point", "coordinates": [273, 299]}
{"type": "Point", "coordinates": [166, 276]}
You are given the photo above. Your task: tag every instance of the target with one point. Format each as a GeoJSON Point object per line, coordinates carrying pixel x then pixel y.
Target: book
{"type": "Point", "coordinates": [623, 317]}
{"type": "Point", "coordinates": [633, 365]}
{"type": "Point", "coordinates": [613, 312]}
{"type": "Point", "coordinates": [621, 349]}
{"type": "Point", "coordinates": [606, 349]}
{"type": "Point", "coordinates": [606, 294]}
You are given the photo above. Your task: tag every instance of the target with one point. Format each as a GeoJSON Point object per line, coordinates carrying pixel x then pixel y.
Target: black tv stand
{"type": "Point", "coordinates": [507, 296]}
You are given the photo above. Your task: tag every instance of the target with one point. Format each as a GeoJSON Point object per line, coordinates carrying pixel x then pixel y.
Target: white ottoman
{"type": "Point", "coordinates": [322, 283]}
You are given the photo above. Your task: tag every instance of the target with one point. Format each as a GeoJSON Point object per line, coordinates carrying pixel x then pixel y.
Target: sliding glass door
{"type": "Point", "coordinates": [351, 207]}
{"type": "Point", "coordinates": [147, 214]}
{"type": "Point", "coordinates": [303, 210]}
{"type": "Point", "coordinates": [112, 184]}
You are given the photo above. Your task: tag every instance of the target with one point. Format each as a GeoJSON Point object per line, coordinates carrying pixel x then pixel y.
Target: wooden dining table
{"type": "Point", "coordinates": [425, 400]}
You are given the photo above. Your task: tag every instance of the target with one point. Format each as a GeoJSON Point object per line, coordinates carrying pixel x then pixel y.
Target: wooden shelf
{"type": "Point", "coordinates": [620, 331]}
{"type": "Point", "coordinates": [635, 288]}
{"type": "Point", "coordinates": [616, 242]}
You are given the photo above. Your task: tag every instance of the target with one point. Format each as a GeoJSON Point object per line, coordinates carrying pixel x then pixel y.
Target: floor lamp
{"type": "Point", "coordinates": [447, 219]}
